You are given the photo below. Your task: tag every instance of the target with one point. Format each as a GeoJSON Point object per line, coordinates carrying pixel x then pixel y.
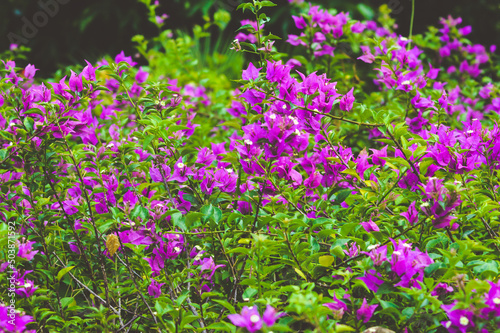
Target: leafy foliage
{"type": "Point", "coordinates": [349, 184]}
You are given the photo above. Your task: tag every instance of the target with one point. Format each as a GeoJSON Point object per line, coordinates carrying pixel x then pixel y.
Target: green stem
{"type": "Point", "coordinates": [411, 22]}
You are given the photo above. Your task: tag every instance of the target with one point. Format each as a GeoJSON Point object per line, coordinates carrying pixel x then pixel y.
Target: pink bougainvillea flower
{"type": "Point", "coordinates": [442, 289]}
{"type": "Point", "coordinates": [26, 250]}
{"type": "Point", "coordinates": [88, 72]}
{"type": "Point", "coordinates": [365, 312]}
{"type": "Point", "coordinates": [338, 307]}
{"type": "Point", "coordinates": [300, 22]}
{"type": "Point", "coordinates": [270, 316]}
{"type": "Point", "coordinates": [347, 101]}
{"type": "Point", "coordinates": [13, 321]}
{"type": "Point", "coordinates": [371, 279]}
{"type": "Point", "coordinates": [75, 82]}
{"type": "Point", "coordinates": [412, 214]}
{"type": "Point", "coordinates": [141, 76]}
{"type": "Point", "coordinates": [29, 71]}
{"type": "Point", "coordinates": [249, 319]}
{"type": "Point", "coordinates": [154, 288]}
{"type": "Point", "coordinates": [370, 226]}
{"type": "Point", "coordinates": [251, 73]}
{"type": "Point", "coordinates": [460, 320]}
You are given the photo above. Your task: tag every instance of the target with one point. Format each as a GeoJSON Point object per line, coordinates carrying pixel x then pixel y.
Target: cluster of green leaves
{"type": "Point", "coordinates": [290, 252]}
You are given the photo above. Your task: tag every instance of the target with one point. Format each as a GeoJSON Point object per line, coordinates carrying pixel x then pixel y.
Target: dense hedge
{"type": "Point", "coordinates": [351, 183]}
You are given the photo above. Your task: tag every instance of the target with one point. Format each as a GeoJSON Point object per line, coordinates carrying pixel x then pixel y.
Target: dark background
{"type": "Point", "coordinates": [89, 29]}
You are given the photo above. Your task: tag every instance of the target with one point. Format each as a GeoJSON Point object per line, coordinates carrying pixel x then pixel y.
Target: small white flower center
{"type": "Point", "coordinates": [229, 170]}
{"type": "Point", "coordinates": [425, 204]}
{"type": "Point", "coordinates": [406, 82]}
{"type": "Point", "coordinates": [448, 324]}
{"type": "Point", "coordinates": [496, 300]}
{"type": "Point", "coordinates": [464, 321]}
{"type": "Point", "coordinates": [27, 285]}
{"type": "Point", "coordinates": [248, 142]}
{"type": "Point", "coordinates": [371, 247]}
{"type": "Point", "coordinates": [396, 253]}
{"type": "Point", "coordinates": [180, 165]}
{"type": "Point", "coordinates": [255, 318]}
{"type": "Point", "coordinates": [272, 116]}
{"type": "Point", "coordinates": [284, 107]}
{"type": "Point", "coordinates": [470, 131]}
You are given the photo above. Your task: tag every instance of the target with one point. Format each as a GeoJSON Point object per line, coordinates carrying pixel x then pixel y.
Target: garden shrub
{"type": "Point", "coordinates": [348, 185]}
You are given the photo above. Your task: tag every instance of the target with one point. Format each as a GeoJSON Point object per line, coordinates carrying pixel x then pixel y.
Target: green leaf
{"type": "Point", "coordinates": [366, 11]}
{"type": "Point", "coordinates": [302, 275]}
{"type": "Point", "coordinates": [425, 164]}
{"type": "Point", "coordinates": [192, 217]}
{"type": "Point", "coordinates": [347, 228]}
{"type": "Point", "coordinates": [246, 26]}
{"type": "Point", "coordinates": [343, 328]}
{"type": "Point", "coordinates": [326, 261]}
{"type": "Point", "coordinates": [207, 211]}
{"type": "Point", "coordinates": [337, 250]}
{"type": "Point", "coordinates": [188, 319]}
{"type": "Point", "coordinates": [135, 212]}
{"type": "Point", "coordinates": [161, 308]}
{"type": "Point", "coordinates": [341, 196]}
{"type": "Point", "coordinates": [266, 3]}
{"type": "Point", "coordinates": [28, 123]}
{"type": "Point", "coordinates": [179, 221]}
{"type": "Point", "coordinates": [351, 172]}
{"type": "Point", "coordinates": [226, 305]}
{"type": "Point", "coordinates": [147, 141]}
{"type": "Point", "coordinates": [246, 6]}
{"type": "Point", "coordinates": [217, 214]}
{"type": "Point", "coordinates": [386, 304]}
{"type": "Point", "coordinates": [220, 326]}
{"type": "Point", "coordinates": [67, 301]}
{"type": "Point", "coordinates": [232, 123]}
{"type": "Point", "coordinates": [63, 272]}
{"type": "Point", "coordinates": [490, 268]}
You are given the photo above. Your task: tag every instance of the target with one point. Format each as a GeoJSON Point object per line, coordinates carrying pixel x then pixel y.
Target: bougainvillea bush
{"type": "Point", "coordinates": [349, 185]}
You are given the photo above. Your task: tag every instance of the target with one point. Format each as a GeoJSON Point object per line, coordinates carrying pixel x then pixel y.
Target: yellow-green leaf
{"type": "Point", "coordinates": [326, 260]}
{"type": "Point", "coordinates": [302, 275]}
{"type": "Point", "coordinates": [343, 328]}
{"type": "Point", "coordinates": [63, 271]}
{"type": "Point", "coordinates": [352, 173]}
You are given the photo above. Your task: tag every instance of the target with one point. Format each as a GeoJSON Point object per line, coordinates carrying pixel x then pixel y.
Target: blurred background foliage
{"type": "Point", "coordinates": [91, 29]}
